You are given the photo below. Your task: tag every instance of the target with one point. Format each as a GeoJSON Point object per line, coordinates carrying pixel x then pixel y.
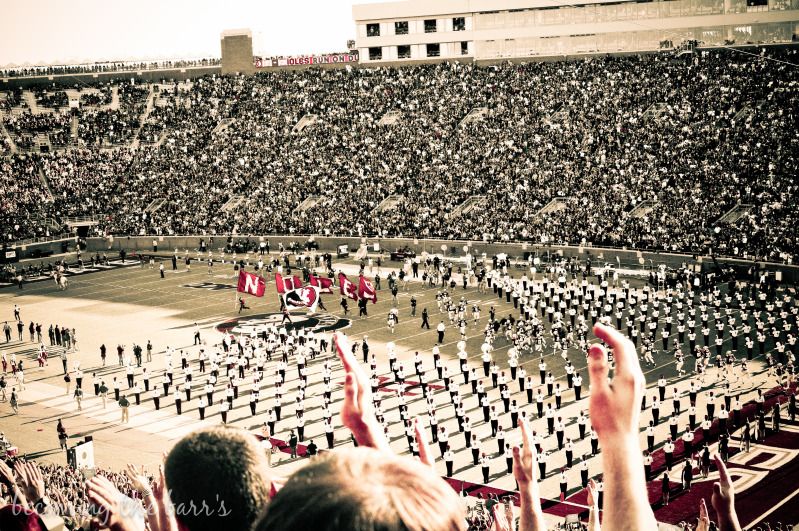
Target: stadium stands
{"type": "Point", "coordinates": [693, 161]}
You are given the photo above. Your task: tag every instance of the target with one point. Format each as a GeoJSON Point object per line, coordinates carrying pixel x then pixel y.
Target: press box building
{"type": "Point", "coordinates": [418, 30]}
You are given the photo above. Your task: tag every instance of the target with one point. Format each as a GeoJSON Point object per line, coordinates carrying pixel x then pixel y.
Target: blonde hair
{"type": "Point", "coordinates": [362, 489]}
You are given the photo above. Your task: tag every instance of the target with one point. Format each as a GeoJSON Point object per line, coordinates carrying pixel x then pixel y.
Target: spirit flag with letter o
{"type": "Point", "coordinates": [366, 290]}
{"type": "Point", "coordinates": [324, 284]}
{"type": "Point", "coordinates": [252, 284]}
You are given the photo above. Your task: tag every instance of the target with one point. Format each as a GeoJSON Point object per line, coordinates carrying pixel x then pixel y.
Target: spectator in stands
{"type": "Point", "coordinates": [363, 488]}
{"type": "Point", "coordinates": [223, 469]}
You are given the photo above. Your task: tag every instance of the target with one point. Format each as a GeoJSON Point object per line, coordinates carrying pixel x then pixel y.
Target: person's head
{"type": "Point", "coordinates": [223, 469]}
{"type": "Point", "coordinates": [360, 489]}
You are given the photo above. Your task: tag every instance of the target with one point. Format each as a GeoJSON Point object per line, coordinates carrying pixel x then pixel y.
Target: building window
{"type": "Point", "coordinates": [375, 53]}
{"type": "Point", "coordinates": [430, 25]}
{"type": "Point", "coordinates": [373, 30]}
{"type": "Point", "coordinates": [401, 27]}
{"type": "Point", "coordinates": [464, 48]}
{"type": "Point", "coordinates": [459, 24]}
{"type": "Point", "coordinates": [404, 52]}
{"type": "Point", "coordinates": [433, 50]}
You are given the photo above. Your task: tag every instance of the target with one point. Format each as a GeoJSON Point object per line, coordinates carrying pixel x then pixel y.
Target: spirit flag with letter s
{"type": "Point", "coordinates": [252, 284]}
{"type": "Point", "coordinates": [366, 290]}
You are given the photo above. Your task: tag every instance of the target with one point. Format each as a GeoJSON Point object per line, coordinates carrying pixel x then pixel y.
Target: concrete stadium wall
{"type": "Point", "coordinates": [629, 259]}
{"type": "Point", "coordinates": [90, 78]}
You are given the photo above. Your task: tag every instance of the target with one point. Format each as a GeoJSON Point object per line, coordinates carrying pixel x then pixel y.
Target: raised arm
{"type": "Point", "coordinates": [723, 499]}
{"type": "Point", "coordinates": [614, 410]}
{"type": "Point", "coordinates": [526, 474]}
{"type": "Point", "coordinates": [357, 410]}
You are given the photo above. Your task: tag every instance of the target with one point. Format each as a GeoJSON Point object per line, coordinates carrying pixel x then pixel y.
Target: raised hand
{"type": "Point", "coordinates": [30, 480]}
{"type": "Point", "coordinates": [357, 410]}
{"type": "Point", "coordinates": [162, 516]}
{"type": "Point", "coordinates": [723, 499]}
{"type": "Point", "coordinates": [593, 506]}
{"type": "Point", "coordinates": [704, 520]}
{"type": "Point", "coordinates": [114, 514]}
{"type": "Point", "coordinates": [526, 475]}
{"type": "Point", "coordinates": [614, 410]}
{"type": "Point", "coordinates": [425, 455]}
{"type": "Point", "coordinates": [8, 479]}
{"type": "Point", "coordinates": [137, 478]}
{"type": "Point", "coordinates": [592, 498]}
{"type": "Point", "coordinates": [503, 517]}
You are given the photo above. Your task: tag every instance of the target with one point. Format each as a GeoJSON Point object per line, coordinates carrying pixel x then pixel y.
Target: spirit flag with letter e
{"type": "Point", "coordinates": [366, 290]}
{"type": "Point", "coordinates": [347, 288]}
{"type": "Point", "coordinates": [324, 284]}
{"type": "Point", "coordinates": [252, 284]}
{"type": "Point", "coordinates": [305, 297]}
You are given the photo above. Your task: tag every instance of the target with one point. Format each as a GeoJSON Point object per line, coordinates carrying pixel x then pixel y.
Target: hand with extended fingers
{"type": "Point", "coordinates": [525, 472]}
{"type": "Point", "coordinates": [614, 410]}
{"type": "Point", "coordinates": [704, 520]}
{"type": "Point", "coordinates": [113, 513]}
{"type": "Point", "coordinates": [723, 499]}
{"type": "Point", "coordinates": [357, 410]}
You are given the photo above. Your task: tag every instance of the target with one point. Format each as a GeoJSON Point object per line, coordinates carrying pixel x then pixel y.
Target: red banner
{"type": "Point", "coordinates": [348, 289]}
{"type": "Point", "coordinates": [252, 284]}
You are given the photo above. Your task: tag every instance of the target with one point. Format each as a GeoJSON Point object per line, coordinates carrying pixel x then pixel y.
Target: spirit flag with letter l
{"type": "Point", "coordinates": [284, 284]}
{"type": "Point", "coordinates": [324, 284]}
{"type": "Point", "coordinates": [366, 290]}
{"type": "Point", "coordinates": [348, 289]}
{"type": "Point", "coordinates": [305, 297]}
{"type": "Point", "coordinates": [252, 284]}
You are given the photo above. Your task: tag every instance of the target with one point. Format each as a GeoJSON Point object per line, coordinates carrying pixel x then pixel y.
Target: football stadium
{"type": "Point", "coordinates": [506, 265]}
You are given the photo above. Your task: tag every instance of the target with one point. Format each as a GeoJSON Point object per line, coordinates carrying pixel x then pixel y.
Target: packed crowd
{"type": "Point", "coordinates": [52, 99]}
{"type": "Point", "coordinates": [104, 67]}
{"type": "Point", "coordinates": [103, 97]}
{"type": "Point", "coordinates": [578, 131]}
{"type": "Point", "coordinates": [23, 198]}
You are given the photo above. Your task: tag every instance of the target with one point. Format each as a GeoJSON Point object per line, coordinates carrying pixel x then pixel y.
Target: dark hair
{"type": "Point", "coordinates": [362, 489]}
{"type": "Point", "coordinates": [217, 479]}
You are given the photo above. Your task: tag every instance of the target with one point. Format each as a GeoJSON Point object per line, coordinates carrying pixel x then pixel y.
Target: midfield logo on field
{"type": "Point", "coordinates": [247, 325]}
{"type": "Point", "coordinates": [210, 286]}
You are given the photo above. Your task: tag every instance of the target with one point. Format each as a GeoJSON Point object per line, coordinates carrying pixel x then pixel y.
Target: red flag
{"type": "Point", "coordinates": [324, 284]}
{"type": "Point", "coordinates": [252, 284]}
{"type": "Point", "coordinates": [281, 288]}
{"type": "Point", "coordinates": [285, 284]}
{"type": "Point", "coordinates": [366, 290]}
{"type": "Point", "coordinates": [347, 288]}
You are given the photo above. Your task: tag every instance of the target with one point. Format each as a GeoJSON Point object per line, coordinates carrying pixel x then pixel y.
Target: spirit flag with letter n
{"type": "Point", "coordinates": [348, 289]}
{"type": "Point", "coordinates": [366, 290]}
{"type": "Point", "coordinates": [252, 284]}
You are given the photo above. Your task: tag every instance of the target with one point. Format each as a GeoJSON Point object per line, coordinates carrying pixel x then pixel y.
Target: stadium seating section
{"type": "Point", "coordinates": [691, 153]}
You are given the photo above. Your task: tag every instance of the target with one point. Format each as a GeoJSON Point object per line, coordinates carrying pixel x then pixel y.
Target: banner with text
{"type": "Point", "coordinates": [306, 60]}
